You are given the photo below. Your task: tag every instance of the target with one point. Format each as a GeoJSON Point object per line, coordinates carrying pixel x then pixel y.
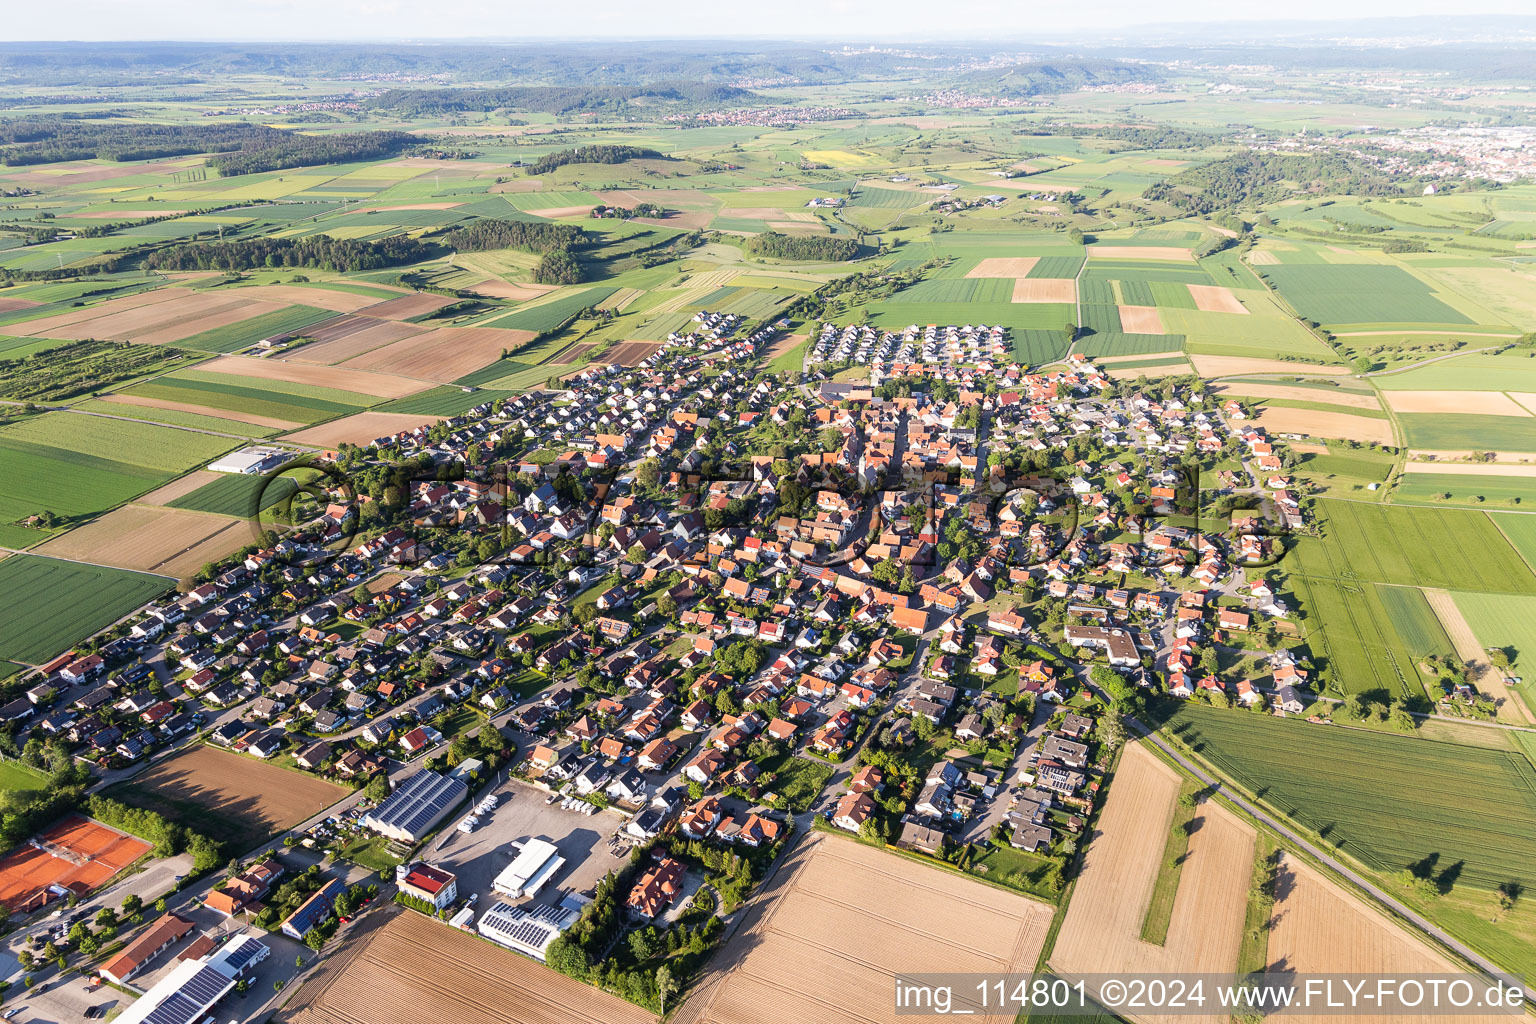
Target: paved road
{"type": "Point", "coordinates": [1364, 884]}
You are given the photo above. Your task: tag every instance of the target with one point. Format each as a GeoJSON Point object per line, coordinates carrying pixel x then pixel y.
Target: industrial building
{"type": "Point", "coordinates": [193, 988]}
{"type": "Point", "coordinates": [416, 806]}
{"type": "Point", "coordinates": [529, 929]}
{"type": "Point", "coordinates": [251, 460]}
{"type": "Point", "coordinates": [533, 867]}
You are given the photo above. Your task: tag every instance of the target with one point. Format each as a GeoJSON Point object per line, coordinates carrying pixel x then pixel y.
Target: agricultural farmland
{"type": "Point", "coordinates": [1361, 294]}
{"type": "Point", "coordinates": [905, 914]}
{"type": "Point", "coordinates": [52, 604]}
{"type": "Point", "coordinates": [1103, 927]}
{"type": "Point", "coordinates": [1372, 795]}
{"type": "Point", "coordinates": [1370, 637]}
{"type": "Point", "coordinates": [233, 799]}
{"type": "Point", "coordinates": [1410, 546]}
{"type": "Point", "coordinates": [395, 963]}
{"type": "Point", "coordinates": [166, 541]}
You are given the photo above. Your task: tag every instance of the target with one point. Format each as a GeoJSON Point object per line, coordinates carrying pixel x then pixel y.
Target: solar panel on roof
{"type": "Point", "coordinates": [194, 998]}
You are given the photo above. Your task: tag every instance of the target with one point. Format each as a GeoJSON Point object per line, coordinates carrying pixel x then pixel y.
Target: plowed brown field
{"type": "Point", "coordinates": [407, 306]}
{"type": "Point", "coordinates": [231, 798]}
{"type": "Point", "coordinates": [380, 385]}
{"type": "Point", "coordinates": [361, 428]}
{"type": "Point", "coordinates": [442, 355]}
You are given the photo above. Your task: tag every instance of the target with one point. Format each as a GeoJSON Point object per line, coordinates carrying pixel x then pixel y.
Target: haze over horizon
{"type": "Point", "coordinates": [480, 20]}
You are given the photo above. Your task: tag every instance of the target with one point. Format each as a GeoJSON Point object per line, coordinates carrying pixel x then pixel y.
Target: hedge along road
{"type": "Point", "coordinates": [1398, 909]}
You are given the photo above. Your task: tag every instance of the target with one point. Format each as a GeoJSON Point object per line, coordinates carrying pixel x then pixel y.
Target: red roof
{"type": "Point", "coordinates": [428, 879]}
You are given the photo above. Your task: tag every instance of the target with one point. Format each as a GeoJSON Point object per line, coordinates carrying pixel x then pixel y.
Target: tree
{"type": "Point", "coordinates": [378, 787]}
{"type": "Point", "coordinates": [665, 986]}
{"type": "Point", "coordinates": [132, 903]}
{"type": "Point", "coordinates": [314, 940]}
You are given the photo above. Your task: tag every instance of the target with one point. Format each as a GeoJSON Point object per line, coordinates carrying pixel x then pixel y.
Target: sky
{"type": "Point", "coordinates": [469, 20]}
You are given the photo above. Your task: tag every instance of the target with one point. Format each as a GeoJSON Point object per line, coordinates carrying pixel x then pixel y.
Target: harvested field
{"type": "Point", "coordinates": [564, 211]}
{"type": "Point", "coordinates": [1140, 252]}
{"type": "Point", "coordinates": [179, 488]}
{"type": "Point", "coordinates": [399, 966]}
{"type": "Point", "coordinates": [232, 799]}
{"type": "Point", "coordinates": [1471, 403]}
{"type": "Point", "coordinates": [1161, 370]}
{"type": "Point", "coordinates": [1213, 298]}
{"type": "Point", "coordinates": [124, 318]}
{"type": "Point", "coordinates": [407, 306]}
{"type": "Point", "coordinates": [1044, 289]}
{"type": "Point", "coordinates": [348, 337]}
{"type": "Point", "coordinates": [1004, 266]}
{"type": "Point", "coordinates": [205, 410]}
{"type": "Point", "coordinates": [12, 305]}
{"type": "Point", "coordinates": [509, 290]}
{"type": "Point", "coordinates": [405, 206]}
{"type": "Point", "coordinates": [359, 429]}
{"type": "Point", "coordinates": [1317, 928]}
{"type": "Point", "coordinates": [442, 355]}
{"type": "Point", "coordinates": [1349, 399]}
{"type": "Point", "coordinates": [908, 917]}
{"type": "Point", "coordinates": [1102, 930]}
{"type": "Point", "coordinates": [27, 871]}
{"type": "Point", "coordinates": [148, 538]}
{"type": "Point", "coordinates": [1485, 677]}
{"type": "Point", "coordinates": [1263, 258]}
{"type": "Point", "coordinates": [1326, 424]}
{"type": "Point", "coordinates": [1228, 366]}
{"type": "Point", "coordinates": [380, 385]}
{"type": "Point", "coordinates": [630, 353]}
{"type": "Point", "coordinates": [325, 298]}
{"type": "Point", "coordinates": [1469, 469]}
{"type": "Point", "coordinates": [621, 298]}
{"type": "Point", "coordinates": [1140, 320]}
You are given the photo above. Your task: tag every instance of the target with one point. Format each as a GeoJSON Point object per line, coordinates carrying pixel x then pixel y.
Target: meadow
{"type": "Point", "coordinates": [1465, 489]}
{"type": "Point", "coordinates": [52, 604]}
{"type": "Point", "coordinates": [1383, 799]}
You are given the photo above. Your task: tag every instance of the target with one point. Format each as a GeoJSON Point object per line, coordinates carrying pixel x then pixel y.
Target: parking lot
{"type": "Point", "coordinates": [585, 841]}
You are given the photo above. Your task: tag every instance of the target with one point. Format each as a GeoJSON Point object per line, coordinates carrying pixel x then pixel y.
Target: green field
{"type": "Point", "coordinates": [1410, 546]}
{"type": "Point", "coordinates": [298, 403]}
{"type": "Point", "coordinates": [550, 315]}
{"type": "Point", "coordinates": [1114, 343]}
{"type": "Point", "coordinates": [249, 332]}
{"type": "Point", "coordinates": [1465, 373]}
{"type": "Point", "coordinates": [1521, 532]}
{"type": "Point", "coordinates": [1500, 620]}
{"type": "Point", "coordinates": [237, 494]}
{"type": "Point", "coordinates": [958, 289]}
{"type": "Point", "coordinates": [1468, 432]}
{"type": "Point", "coordinates": [1360, 294]}
{"type": "Point", "coordinates": [1465, 489]}
{"type": "Point", "coordinates": [1057, 266]}
{"type": "Point", "coordinates": [52, 604]}
{"type": "Point", "coordinates": [73, 465]}
{"type": "Point", "coordinates": [1367, 637]}
{"type": "Point", "coordinates": [1461, 815]}
{"type": "Point", "coordinates": [446, 400]}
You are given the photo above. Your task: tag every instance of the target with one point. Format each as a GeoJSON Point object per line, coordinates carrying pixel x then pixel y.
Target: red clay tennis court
{"type": "Point", "coordinates": [75, 853]}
